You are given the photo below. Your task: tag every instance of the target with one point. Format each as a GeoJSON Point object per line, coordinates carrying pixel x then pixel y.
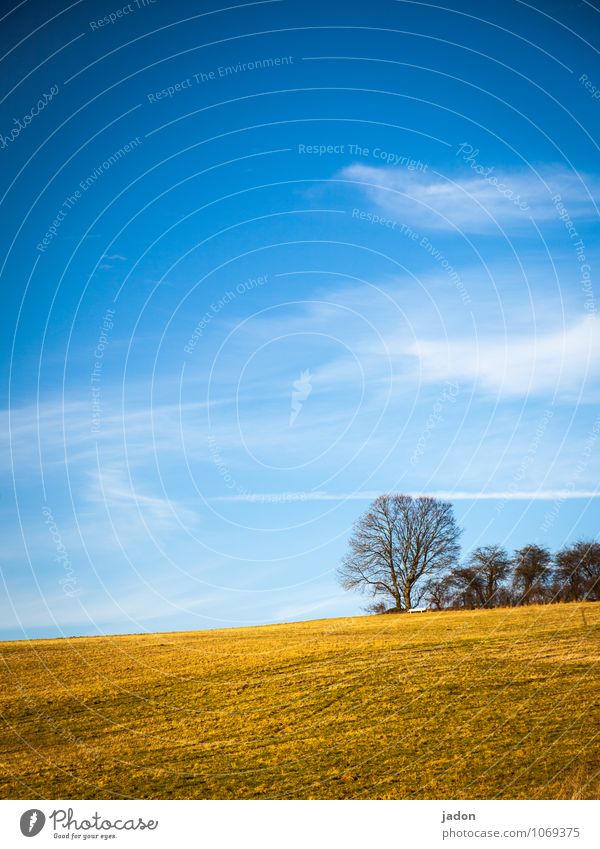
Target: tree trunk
{"type": "Point", "coordinates": [395, 586]}
{"type": "Point", "coordinates": [397, 597]}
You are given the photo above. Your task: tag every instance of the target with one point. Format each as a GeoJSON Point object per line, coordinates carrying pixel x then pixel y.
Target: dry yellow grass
{"type": "Point", "coordinates": [482, 704]}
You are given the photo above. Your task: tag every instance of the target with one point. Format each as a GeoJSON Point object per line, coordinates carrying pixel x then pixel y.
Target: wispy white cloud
{"type": "Point", "coordinates": [559, 360]}
{"type": "Point", "coordinates": [165, 448]}
{"type": "Point", "coordinates": [447, 495]}
{"type": "Point", "coordinates": [60, 430]}
{"type": "Point", "coordinates": [474, 203]}
{"type": "Point", "coordinates": [120, 495]}
{"type": "Point", "coordinates": [548, 355]}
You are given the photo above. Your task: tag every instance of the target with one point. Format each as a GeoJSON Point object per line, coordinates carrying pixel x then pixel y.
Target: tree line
{"type": "Point", "coordinates": [404, 552]}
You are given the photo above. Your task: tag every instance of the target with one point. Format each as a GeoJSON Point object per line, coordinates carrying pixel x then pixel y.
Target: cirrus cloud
{"type": "Point", "coordinates": [473, 202]}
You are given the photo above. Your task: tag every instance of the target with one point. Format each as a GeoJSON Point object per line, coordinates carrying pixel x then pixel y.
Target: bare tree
{"type": "Point", "coordinates": [491, 564]}
{"type": "Point", "coordinates": [531, 573]}
{"type": "Point", "coordinates": [398, 542]}
{"type": "Point", "coordinates": [479, 582]}
{"type": "Point", "coordinates": [578, 572]}
{"type": "Point", "coordinates": [440, 592]}
{"type": "Point", "coordinates": [468, 589]}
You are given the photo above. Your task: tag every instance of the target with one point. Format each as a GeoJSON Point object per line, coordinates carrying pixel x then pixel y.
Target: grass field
{"type": "Point", "coordinates": [481, 704]}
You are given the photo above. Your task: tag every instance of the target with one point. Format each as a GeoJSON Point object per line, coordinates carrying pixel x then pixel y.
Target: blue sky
{"type": "Point", "coordinates": [262, 263]}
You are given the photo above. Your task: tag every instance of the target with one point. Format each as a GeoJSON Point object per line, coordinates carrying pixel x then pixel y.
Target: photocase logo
{"type": "Point", "coordinates": [302, 389]}
{"type": "Point", "coordinates": [32, 822]}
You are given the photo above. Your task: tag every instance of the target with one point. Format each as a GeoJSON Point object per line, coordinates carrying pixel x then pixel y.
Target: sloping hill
{"type": "Point", "coordinates": [480, 704]}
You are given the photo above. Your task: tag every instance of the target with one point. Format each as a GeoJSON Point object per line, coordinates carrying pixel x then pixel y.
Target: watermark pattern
{"type": "Point", "coordinates": [594, 90]}
{"type": "Point", "coordinates": [96, 373]}
{"type": "Point", "coordinates": [215, 308]}
{"type": "Point", "coordinates": [585, 269]}
{"type": "Point", "coordinates": [301, 391]}
{"type": "Point", "coordinates": [435, 417]}
{"type": "Point", "coordinates": [65, 818]}
{"type": "Point", "coordinates": [469, 155]}
{"type": "Point", "coordinates": [423, 241]}
{"type": "Point", "coordinates": [373, 218]}
{"type": "Point", "coordinates": [109, 162]}
{"type": "Point", "coordinates": [223, 469]}
{"type": "Point", "coordinates": [118, 14]}
{"type": "Point", "coordinates": [23, 122]}
{"type": "Point", "coordinates": [398, 160]}
{"type": "Point", "coordinates": [71, 201]}
{"type": "Point", "coordinates": [217, 73]}
{"type": "Point", "coordinates": [454, 276]}
{"type": "Point", "coordinates": [68, 581]}
{"type": "Point", "coordinates": [66, 206]}
{"type": "Point", "coordinates": [32, 822]}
